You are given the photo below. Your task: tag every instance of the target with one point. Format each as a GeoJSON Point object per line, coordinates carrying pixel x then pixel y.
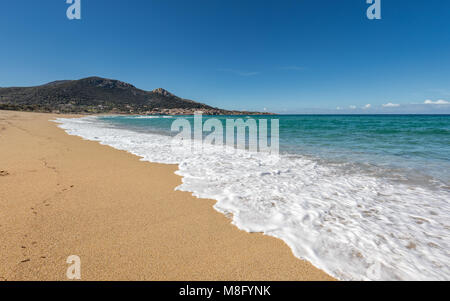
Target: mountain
{"type": "Point", "coordinates": [95, 95]}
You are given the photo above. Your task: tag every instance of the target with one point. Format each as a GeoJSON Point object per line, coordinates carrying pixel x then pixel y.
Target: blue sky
{"type": "Point", "coordinates": [288, 56]}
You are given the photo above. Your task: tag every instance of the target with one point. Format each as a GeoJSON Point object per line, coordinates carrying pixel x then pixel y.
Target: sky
{"type": "Point", "coordinates": [283, 56]}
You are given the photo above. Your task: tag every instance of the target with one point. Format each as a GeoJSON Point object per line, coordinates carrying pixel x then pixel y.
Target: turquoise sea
{"type": "Point", "coordinates": [416, 145]}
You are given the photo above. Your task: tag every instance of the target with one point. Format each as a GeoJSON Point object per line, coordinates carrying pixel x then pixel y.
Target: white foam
{"type": "Point", "coordinates": [353, 226]}
{"type": "Point", "coordinates": [150, 117]}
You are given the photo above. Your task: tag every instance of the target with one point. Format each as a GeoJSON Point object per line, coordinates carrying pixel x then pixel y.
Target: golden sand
{"type": "Point", "coordinates": [61, 196]}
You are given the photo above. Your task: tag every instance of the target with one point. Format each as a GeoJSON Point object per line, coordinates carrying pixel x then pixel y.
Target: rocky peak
{"type": "Point", "coordinates": [162, 92]}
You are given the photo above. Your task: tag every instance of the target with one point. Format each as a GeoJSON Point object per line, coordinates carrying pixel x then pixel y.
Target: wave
{"type": "Point", "coordinates": [352, 225]}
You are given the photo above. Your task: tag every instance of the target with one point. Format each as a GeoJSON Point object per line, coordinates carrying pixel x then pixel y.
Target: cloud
{"type": "Point", "coordinates": [367, 106]}
{"type": "Point", "coordinates": [437, 102]}
{"type": "Point", "coordinates": [352, 107]}
{"type": "Point", "coordinates": [391, 105]}
{"type": "Point", "coordinates": [240, 72]}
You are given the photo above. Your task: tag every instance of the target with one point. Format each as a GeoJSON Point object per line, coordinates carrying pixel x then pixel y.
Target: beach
{"type": "Point", "coordinates": [61, 195]}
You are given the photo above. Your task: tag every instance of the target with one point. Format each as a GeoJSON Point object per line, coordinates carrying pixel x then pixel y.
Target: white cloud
{"type": "Point", "coordinates": [367, 106]}
{"type": "Point", "coordinates": [391, 105]}
{"type": "Point", "coordinates": [437, 102]}
{"type": "Point", "coordinates": [338, 108]}
{"type": "Point", "coordinates": [352, 107]}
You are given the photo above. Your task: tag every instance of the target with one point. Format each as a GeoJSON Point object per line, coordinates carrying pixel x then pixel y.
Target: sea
{"type": "Point", "coordinates": [362, 197]}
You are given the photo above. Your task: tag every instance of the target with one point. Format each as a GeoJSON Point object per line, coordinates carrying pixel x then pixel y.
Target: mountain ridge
{"type": "Point", "coordinates": [94, 95]}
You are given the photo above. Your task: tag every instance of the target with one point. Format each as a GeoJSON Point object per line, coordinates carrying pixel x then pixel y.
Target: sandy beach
{"type": "Point", "coordinates": [61, 196]}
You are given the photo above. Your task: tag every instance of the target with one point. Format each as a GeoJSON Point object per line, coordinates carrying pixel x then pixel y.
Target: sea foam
{"type": "Point", "coordinates": [352, 225]}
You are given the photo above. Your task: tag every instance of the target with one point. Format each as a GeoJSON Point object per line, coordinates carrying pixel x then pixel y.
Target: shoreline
{"type": "Point", "coordinates": [62, 195]}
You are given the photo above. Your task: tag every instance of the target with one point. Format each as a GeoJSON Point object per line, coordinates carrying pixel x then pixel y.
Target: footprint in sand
{"type": "Point", "coordinates": [4, 173]}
